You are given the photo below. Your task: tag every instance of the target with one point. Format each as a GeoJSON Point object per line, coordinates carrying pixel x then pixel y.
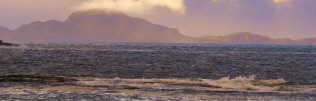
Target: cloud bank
{"type": "Point", "coordinates": [134, 6]}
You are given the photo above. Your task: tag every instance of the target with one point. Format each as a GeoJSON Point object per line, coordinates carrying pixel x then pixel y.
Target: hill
{"type": "Point", "coordinates": [3, 30]}
{"type": "Point", "coordinates": [249, 38]}
{"type": "Point", "coordinates": [98, 25]}
{"type": "Point", "coordinates": [3, 33]}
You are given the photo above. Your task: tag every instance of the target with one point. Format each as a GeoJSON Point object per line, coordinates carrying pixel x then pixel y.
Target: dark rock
{"type": "Point", "coordinates": [7, 44]}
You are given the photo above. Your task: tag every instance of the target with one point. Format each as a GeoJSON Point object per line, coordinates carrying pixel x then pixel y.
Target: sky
{"type": "Point", "coordinates": [273, 18]}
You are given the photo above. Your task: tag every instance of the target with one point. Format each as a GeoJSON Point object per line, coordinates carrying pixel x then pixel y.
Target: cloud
{"type": "Point", "coordinates": [275, 1]}
{"type": "Point", "coordinates": [134, 6]}
{"type": "Point", "coordinates": [279, 1]}
{"type": "Point", "coordinates": [220, 0]}
{"type": "Point", "coordinates": [224, 1]}
{"type": "Point", "coordinates": [215, 0]}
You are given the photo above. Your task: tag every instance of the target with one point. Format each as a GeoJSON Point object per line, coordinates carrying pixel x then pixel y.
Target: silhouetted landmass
{"type": "Point", "coordinates": [3, 30]}
{"type": "Point", "coordinates": [98, 25]}
{"type": "Point", "coordinates": [240, 38]}
{"type": "Point", "coordinates": [7, 44]}
{"type": "Point", "coordinates": [249, 38]}
{"type": "Point", "coordinates": [307, 41]}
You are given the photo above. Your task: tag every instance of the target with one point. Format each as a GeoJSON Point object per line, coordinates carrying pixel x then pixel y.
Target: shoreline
{"type": "Point", "coordinates": [146, 89]}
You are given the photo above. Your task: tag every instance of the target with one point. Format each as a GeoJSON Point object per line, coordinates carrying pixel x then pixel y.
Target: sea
{"type": "Point", "coordinates": [293, 63]}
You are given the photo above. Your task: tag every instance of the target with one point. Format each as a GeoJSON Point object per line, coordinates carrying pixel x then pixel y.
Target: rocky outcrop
{"type": "Point", "coordinates": [7, 44]}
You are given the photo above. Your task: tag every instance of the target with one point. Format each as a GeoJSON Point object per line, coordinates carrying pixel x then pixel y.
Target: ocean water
{"type": "Point", "coordinates": [157, 60]}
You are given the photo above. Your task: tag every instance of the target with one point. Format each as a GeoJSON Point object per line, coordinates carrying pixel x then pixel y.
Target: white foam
{"type": "Point", "coordinates": [23, 46]}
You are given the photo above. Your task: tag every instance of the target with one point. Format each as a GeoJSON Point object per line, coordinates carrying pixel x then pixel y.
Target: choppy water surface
{"type": "Point", "coordinates": [138, 60]}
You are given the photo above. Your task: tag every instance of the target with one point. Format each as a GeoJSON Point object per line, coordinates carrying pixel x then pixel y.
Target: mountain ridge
{"type": "Point", "coordinates": [98, 25]}
{"type": "Point", "coordinates": [101, 25]}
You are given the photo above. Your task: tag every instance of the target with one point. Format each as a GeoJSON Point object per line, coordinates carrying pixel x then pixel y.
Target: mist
{"type": "Point", "coordinates": [133, 6]}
